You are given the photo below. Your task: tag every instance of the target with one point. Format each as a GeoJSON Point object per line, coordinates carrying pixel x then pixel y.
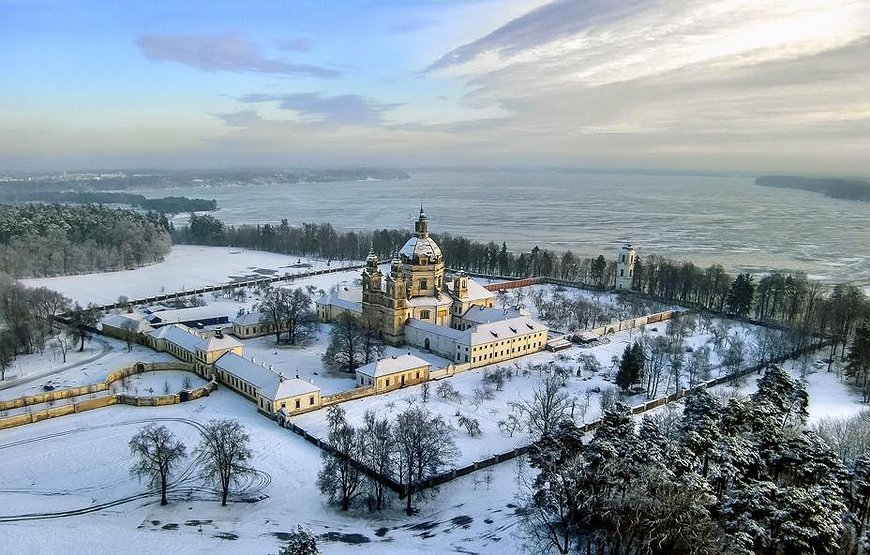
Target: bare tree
{"type": "Point", "coordinates": [82, 322]}
{"type": "Point", "coordinates": [340, 479]}
{"type": "Point", "coordinates": [129, 328]}
{"type": "Point", "coordinates": [7, 352]}
{"type": "Point", "coordinates": [351, 344]}
{"type": "Point", "coordinates": [225, 454]}
{"type": "Point", "coordinates": [157, 453]}
{"type": "Point", "coordinates": [290, 311]}
{"type": "Point", "coordinates": [377, 453]}
{"type": "Point", "coordinates": [548, 406]}
{"type": "Point", "coordinates": [424, 444]}
{"type": "Point", "coordinates": [63, 345]}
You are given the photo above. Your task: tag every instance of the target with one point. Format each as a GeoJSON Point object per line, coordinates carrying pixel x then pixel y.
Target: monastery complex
{"type": "Point", "coordinates": [413, 304]}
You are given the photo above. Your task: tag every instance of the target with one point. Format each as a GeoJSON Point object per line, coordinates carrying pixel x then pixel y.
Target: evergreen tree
{"type": "Point", "coordinates": [629, 368]}
{"type": "Point", "coordinates": [740, 295]}
{"type": "Point", "coordinates": [858, 367]}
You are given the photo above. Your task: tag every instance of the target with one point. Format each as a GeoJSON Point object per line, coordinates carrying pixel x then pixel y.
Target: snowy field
{"type": "Point", "coordinates": [185, 267]}
{"type": "Point", "coordinates": [490, 412]}
{"type": "Point", "coordinates": [80, 464]}
{"type": "Point", "coordinates": [32, 372]}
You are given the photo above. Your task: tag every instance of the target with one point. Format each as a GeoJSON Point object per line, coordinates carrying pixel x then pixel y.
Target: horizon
{"type": "Point", "coordinates": [694, 87]}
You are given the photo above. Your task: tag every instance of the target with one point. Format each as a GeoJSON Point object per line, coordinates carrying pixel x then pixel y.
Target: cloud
{"type": "Point", "coordinates": [544, 24]}
{"type": "Point", "coordinates": [294, 44]}
{"type": "Point", "coordinates": [230, 53]}
{"type": "Point", "coordinates": [346, 109]}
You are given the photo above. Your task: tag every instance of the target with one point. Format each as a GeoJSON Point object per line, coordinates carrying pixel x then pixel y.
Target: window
{"type": "Point", "coordinates": [387, 382]}
{"type": "Point", "coordinates": [424, 314]}
{"type": "Point", "coordinates": [311, 400]}
{"type": "Point", "coordinates": [424, 284]}
{"type": "Point", "coordinates": [298, 404]}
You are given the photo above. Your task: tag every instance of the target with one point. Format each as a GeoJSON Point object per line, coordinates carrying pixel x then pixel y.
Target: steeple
{"type": "Point", "coordinates": [372, 261]}
{"type": "Point", "coordinates": [422, 226]}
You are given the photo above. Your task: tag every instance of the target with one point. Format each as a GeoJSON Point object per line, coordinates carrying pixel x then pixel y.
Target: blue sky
{"type": "Point", "coordinates": [742, 85]}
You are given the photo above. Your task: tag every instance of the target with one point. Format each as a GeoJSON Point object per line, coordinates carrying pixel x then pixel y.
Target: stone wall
{"type": "Point", "coordinates": [102, 401]}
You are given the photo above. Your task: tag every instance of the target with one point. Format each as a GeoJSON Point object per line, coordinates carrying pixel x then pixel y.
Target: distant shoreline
{"type": "Point", "coordinates": [847, 189]}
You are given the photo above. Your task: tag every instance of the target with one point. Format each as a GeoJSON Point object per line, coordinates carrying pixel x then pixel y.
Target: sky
{"type": "Point", "coordinates": [733, 85]}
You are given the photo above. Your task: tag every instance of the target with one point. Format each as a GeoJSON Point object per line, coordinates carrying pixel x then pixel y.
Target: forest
{"type": "Point", "coordinates": [849, 189]}
{"type": "Point", "coordinates": [38, 240]}
{"type": "Point", "coordinates": [724, 476]}
{"type": "Point", "coordinates": [167, 205]}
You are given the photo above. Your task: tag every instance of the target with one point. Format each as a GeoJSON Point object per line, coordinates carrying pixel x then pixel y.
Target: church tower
{"type": "Point", "coordinates": [625, 266]}
{"type": "Point", "coordinates": [422, 261]}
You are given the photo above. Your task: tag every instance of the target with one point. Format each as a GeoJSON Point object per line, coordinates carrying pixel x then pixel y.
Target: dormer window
{"type": "Point", "coordinates": [423, 260]}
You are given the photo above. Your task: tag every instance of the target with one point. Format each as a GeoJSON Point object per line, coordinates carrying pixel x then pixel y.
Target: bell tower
{"type": "Point", "coordinates": [421, 227]}
{"type": "Point", "coordinates": [625, 266]}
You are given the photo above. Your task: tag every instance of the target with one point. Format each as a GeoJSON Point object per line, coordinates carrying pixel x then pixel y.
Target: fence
{"type": "Point", "coordinates": [513, 284]}
{"type": "Point", "coordinates": [637, 322]}
{"type": "Point", "coordinates": [220, 287]}
{"type": "Point", "coordinates": [100, 402]}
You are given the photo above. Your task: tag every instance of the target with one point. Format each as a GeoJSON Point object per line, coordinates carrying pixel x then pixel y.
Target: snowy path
{"type": "Point", "coordinates": [105, 348]}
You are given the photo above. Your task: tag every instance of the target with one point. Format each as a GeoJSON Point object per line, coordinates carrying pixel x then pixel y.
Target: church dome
{"type": "Point", "coordinates": [420, 246]}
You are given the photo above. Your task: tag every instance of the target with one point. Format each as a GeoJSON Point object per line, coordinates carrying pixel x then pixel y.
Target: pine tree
{"type": "Point", "coordinates": [740, 295]}
{"type": "Point", "coordinates": [629, 367]}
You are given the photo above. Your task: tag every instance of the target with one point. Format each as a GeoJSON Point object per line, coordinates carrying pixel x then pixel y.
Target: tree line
{"type": "Point", "coordinates": [168, 205]}
{"type": "Point", "coordinates": [27, 323]}
{"type": "Point", "coordinates": [744, 476]}
{"type": "Point", "coordinates": [412, 447]}
{"type": "Point", "coordinates": [223, 456]}
{"type": "Point", "coordinates": [789, 299]}
{"type": "Point", "coordinates": [52, 239]}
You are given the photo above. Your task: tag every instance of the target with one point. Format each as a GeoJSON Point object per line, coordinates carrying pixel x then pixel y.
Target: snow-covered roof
{"type": "Point", "coordinates": [501, 330]}
{"type": "Point", "coordinates": [443, 331]}
{"type": "Point", "coordinates": [215, 343]}
{"type": "Point", "coordinates": [268, 382]}
{"type": "Point", "coordinates": [191, 341]}
{"type": "Point", "coordinates": [249, 319]}
{"type": "Point", "coordinates": [392, 365]}
{"type": "Point", "coordinates": [350, 299]}
{"type": "Point", "coordinates": [587, 336]}
{"type": "Point", "coordinates": [180, 335]}
{"type": "Point", "coordinates": [288, 388]}
{"type": "Point", "coordinates": [420, 246]}
{"type": "Point", "coordinates": [133, 322]}
{"type": "Point", "coordinates": [180, 315]}
{"type": "Point", "coordinates": [476, 291]}
{"type": "Point", "coordinates": [443, 299]}
{"type": "Point", "coordinates": [485, 315]}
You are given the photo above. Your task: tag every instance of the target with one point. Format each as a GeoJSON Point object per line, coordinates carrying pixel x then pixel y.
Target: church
{"type": "Point", "coordinates": [415, 304]}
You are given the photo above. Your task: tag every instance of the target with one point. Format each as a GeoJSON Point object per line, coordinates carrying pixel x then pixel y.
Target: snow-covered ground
{"type": "Point", "coordinates": [185, 267]}
{"type": "Point", "coordinates": [829, 396]}
{"type": "Point", "coordinates": [82, 461]}
{"type": "Point", "coordinates": [106, 356]}
{"type": "Point", "coordinates": [495, 438]}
